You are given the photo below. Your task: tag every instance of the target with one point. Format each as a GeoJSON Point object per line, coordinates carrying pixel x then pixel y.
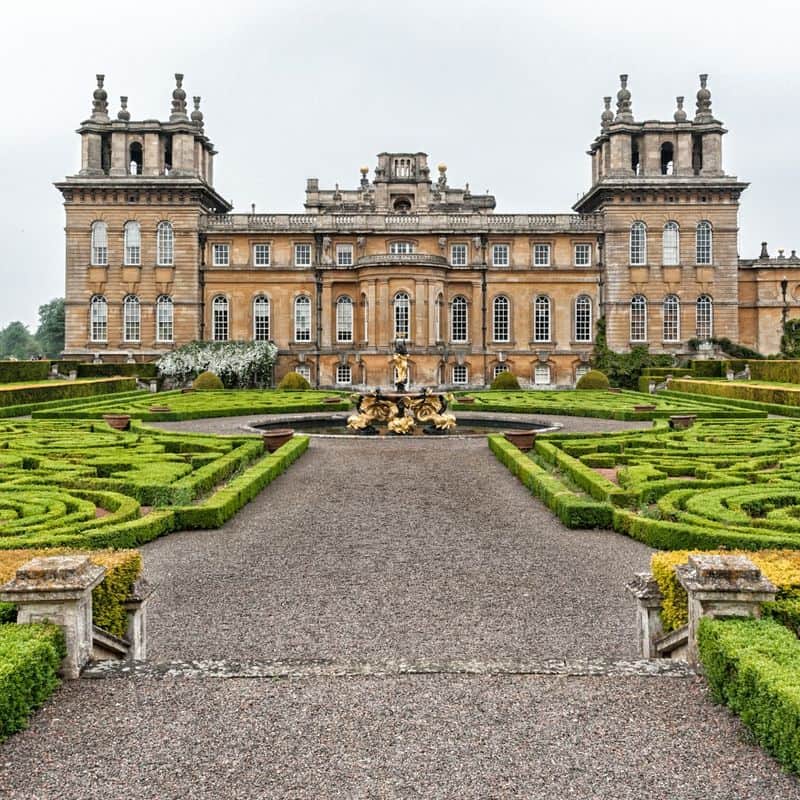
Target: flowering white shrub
{"type": "Point", "coordinates": [239, 365]}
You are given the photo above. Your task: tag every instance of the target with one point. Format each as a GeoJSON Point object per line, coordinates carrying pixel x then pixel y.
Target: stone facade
{"type": "Point", "coordinates": [405, 255]}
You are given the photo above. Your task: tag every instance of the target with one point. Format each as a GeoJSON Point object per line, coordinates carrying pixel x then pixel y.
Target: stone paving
{"type": "Point", "coordinates": [390, 619]}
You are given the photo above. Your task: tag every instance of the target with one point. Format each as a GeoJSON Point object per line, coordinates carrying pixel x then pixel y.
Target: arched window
{"type": "Point", "coordinates": [541, 319]}
{"type": "Point", "coordinates": [261, 318]}
{"type": "Point", "coordinates": [164, 318]}
{"type": "Point", "coordinates": [583, 319]}
{"type": "Point", "coordinates": [135, 159]}
{"type": "Point", "coordinates": [671, 324]}
{"type": "Point", "coordinates": [99, 244]}
{"type": "Point", "coordinates": [670, 245]}
{"type": "Point", "coordinates": [638, 244]}
{"type": "Point", "coordinates": [221, 320]}
{"type": "Point", "coordinates": [302, 319]}
{"type": "Point", "coordinates": [500, 319]}
{"type": "Point", "coordinates": [402, 316]}
{"type": "Point", "coordinates": [344, 319]}
{"type": "Point", "coordinates": [705, 317]}
{"type": "Point", "coordinates": [133, 244]}
{"type": "Point", "coordinates": [703, 241]}
{"type": "Point", "coordinates": [667, 158]}
{"type": "Point", "coordinates": [638, 318]}
{"type": "Point", "coordinates": [131, 319]}
{"type": "Point", "coordinates": [98, 316]}
{"type": "Point", "coordinates": [165, 241]}
{"type": "Point", "coordinates": [458, 319]}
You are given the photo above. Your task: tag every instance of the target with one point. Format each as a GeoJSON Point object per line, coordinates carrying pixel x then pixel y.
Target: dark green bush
{"type": "Point", "coordinates": [505, 380]}
{"type": "Point", "coordinates": [18, 371]}
{"type": "Point", "coordinates": [624, 369]}
{"type": "Point", "coordinates": [752, 666]}
{"type": "Point", "coordinates": [63, 390]}
{"type": "Point", "coordinates": [145, 371]}
{"type": "Point", "coordinates": [293, 382]}
{"type": "Point", "coordinates": [30, 656]}
{"type": "Point", "coordinates": [593, 379]}
{"type": "Point", "coordinates": [207, 382]}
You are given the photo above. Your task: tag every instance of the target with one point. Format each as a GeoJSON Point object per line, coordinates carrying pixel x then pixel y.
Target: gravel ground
{"type": "Point", "coordinates": [393, 549]}
{"type": "Point", "coordinates": [415, 737]}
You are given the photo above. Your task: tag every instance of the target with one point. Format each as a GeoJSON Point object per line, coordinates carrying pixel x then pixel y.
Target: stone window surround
{"type": "Point", "coordinates": [453, 246]}
{"type": "Point", "coordinates": [221, 253]}
{"type": "Point", "coordinates": [342, 248]}
{"type": "Point", "coordinates": [496, 249]}
{"type": "Point", "coordinates": [256, 244]}
{"type": "Point", "coordinates": [590, 255]}
{"type": "Point", "coordinates": [296, 250]}
{"type": "Point", "coordinates": [509, 306]}
{"type": "Point", "coordinates": [542, 243]}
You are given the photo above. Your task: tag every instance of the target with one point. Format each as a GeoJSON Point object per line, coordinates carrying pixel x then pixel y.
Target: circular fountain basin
{"type": "Point", "coordinates": [469, 425]}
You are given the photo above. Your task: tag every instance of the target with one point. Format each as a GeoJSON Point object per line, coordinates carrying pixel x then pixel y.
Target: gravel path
{"type": "Point", "coordinates": [401, 612]}
{"type": "Point", "coordinates": [410, 549]}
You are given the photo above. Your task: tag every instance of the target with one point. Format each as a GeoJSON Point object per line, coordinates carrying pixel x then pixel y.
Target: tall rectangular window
{"type": "Point", "coordinates": [302, 255]}
{"type": "Point", "coordinates": [583, 255]}
{"type": "Point", "coordinates": [541, 255]}
{"type": "Point", "coordinates": [638, 318]}
{"type": "Point", "coordinates": [458, 255]}
{"type": "Point", "coordinates": [583, 319]}
{"type": "Point", "coordinates": [99, 244]}
{"type": "Point", "coordinates": [541, 319]}
{"type": "Point", "coordinates": [222, 255]}
{"type": "Point", "coordinates": [261, 255]}
{"type": "Point", "coordinates": [458, 320]}
{"type": "Point", "coordinates": [219, 309]}
{"type": "Point", "coordinates": [460, 374]}
{"type": "Point", "coordinates": [261, 319]}
{"type": "Point", "coordinates": [500, 255]}
{"type": "Point", "coordinates": [133, 244]}
{"type": "Point", "coordinates": [302, 319]}
{"type": "Point", "coordinates": [164, 319]}
{"type": "Point", "coordinates": [344, 255]}
{"type": "Point", "coordinates": [500, 320]}
{"type": "Point", "coordinates": [344, 320]}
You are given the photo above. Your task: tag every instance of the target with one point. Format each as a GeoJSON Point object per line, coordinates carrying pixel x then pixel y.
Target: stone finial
{"type": "Point", "coordinates": [442, 181]}
{"type": "Point", "coordinates": [704, 101]}
{"type": "Point", "coordinates": [364, 179]}
{"type": "Point", "coordinates": [793, 256]}
{"type": "Point", "coordinates": [100, 101]}
{"type": "Point", "coordinates": [178, 100]}
{"type": "Point", "coordinates": [624, 113]}
{"type": "Point", "coordinates": [764, 251]}
{"type": "Point", "coordinates": [680, 114]}
{"type": "Point", "coordinates": [197, 114]}
{"type": "Point", "coordinates": [123, 113]}
{"type": "Point", "coordinates": [781, 252]}
{"type": "Point", "coordinates": [607, 117]}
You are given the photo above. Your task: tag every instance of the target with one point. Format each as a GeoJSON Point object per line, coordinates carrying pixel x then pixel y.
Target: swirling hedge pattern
{"type": "Point", "coordinates": [719, 483]}
{"type": "Point", "coordinates": [610, 405]}
{"type": "Point", "coordinates": [171, 406]}
{"type": "Point", "coordinates": [83, 484]}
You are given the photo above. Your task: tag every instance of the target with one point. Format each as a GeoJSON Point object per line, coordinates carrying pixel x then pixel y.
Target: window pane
{"type": "Point", "coordinates": [671, 323]}
{"type": "Point", "coordinates": [541, 375]}
{"type": "Point", "coordinates": [302, 319]}
{"type": "Point", "coordinates": [541, 323]}
{"type": "Point", "coordinates": [99, 244]}
{"type": "Point", "coordinates": [221, 255]}
{"type": "Point", "coordinates": [459, 374]}
{"type": "Point", "coordinates": [638, 254]}
{"type": "Point", "coordinates": [541, 255]}
{"type": "Point", "coordinates": [638, 319]}
{"type": "Point", "coordinates": [583, 255]}
{"type": "Point", "coordinates": [344, 320]}
{"type": "Point", "coordinates": [165, 244]}
{"type": "Point", "coordinates": [344, 255]}
{"type": "Point", "coordinates": [262, 254]}
{"type": "Point", "coordinates": [99, 319]}
{"type": "Point", "coordinates": [499, 369]}
{"type": "Point", "coordinates": [261, 319]}
{"type": "Point", "coordinates": [704, 243]}
{"type": "Point", "coordinates": [583, 319]}
{"type": "Point", "coordinates": [670, 255]}
{"type": "Point", "coordinates": [705, 326]}
{"type": "Point", "coordinates": [458, 255]}
{"type": "Point", "coordinates": [302, 255]}
{"type": "Point", "coordinates": [500, 321]}
{"type": "Point", "coordinates": [220, 319]}
{"type": "Point", "coordinates": [133, 244]}
{"type": "Point", "coordinates": [131, 322]}
{"type": "Point", "coordinates": [500, 255]}
{"type": "Point", "coordinates": [343, 374]}
{"type": "Point", "coordinates": [401, 316]}
{"type": "Point", "coordinates": [458, 320]}
{"type": "Point", "coordinates": [164, 319]}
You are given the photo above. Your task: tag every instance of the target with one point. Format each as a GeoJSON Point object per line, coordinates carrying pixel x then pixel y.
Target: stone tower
{"type": "Point", "coordinates": [670, 226]}
{"type": "Point", "coordinates": [133, 210]}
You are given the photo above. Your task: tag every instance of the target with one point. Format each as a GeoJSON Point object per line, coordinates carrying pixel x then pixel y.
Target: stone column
{"type": "Point", "coordinates": [58, 589]}
{"type": "Point", "coordinates": [648, 613]}
{"type": "Point", "coordinates": [136, 610]}
{"type": "Point", "coordinates": [721, 586]}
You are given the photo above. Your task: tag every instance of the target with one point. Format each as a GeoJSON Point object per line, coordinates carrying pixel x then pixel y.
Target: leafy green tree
{"type": "Point", "coordinates": [16, 341]}
{"type": "Point", "coordinates": [50, 334]}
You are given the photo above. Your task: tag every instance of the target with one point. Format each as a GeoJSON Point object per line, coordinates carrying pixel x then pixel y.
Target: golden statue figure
{"type": "Point", "coordinates": [400, 360]}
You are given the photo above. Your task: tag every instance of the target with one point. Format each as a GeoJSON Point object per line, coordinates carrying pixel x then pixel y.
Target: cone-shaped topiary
{"type": "Point", "coordinates": [505, 380]}
{"type": "Point", "coordinates": [293, 382]}
{"type": "Point", "coordinates": [593, 379]}
{"type": "Point", "coordinates": [207, 382]}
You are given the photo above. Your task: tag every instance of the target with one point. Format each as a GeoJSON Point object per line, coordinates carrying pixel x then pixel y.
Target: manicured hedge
{"type": "Point", "coordinates": [18, 371]}
{"type": "Point", "coordinates": [80, 484]}
{"type": "Point", "coordinates": [775, 395]}
{"type": "Point", "coordinates": [753, 667]}
{"type": "Point", "coordinates": [763, 409]}
{"type": "Point", "coordinates": [30, 656]}
{"type": "Point", "coordinates": [145, 371]}
{"type": "Point", "coordinates": [63, 390]}
{"type": "Point", "coordinates": [123, 567]}
{"type": "Point", "coordinates": [26, 409]}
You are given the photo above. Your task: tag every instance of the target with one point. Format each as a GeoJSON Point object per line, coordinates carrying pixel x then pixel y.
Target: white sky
{"type": "Point", "coordinates": [508, 94]}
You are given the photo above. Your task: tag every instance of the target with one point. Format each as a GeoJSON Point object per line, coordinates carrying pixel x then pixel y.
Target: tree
{"type": "Point", "coordinates": [50, 334]}
{"type": "Point", "coordinates": [16, 341]}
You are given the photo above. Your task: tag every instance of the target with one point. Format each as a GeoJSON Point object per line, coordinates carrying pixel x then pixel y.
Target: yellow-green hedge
{"type": "Point", "coordinates": [123, 567]}
{"type": "Point", "coordinates": [782, 567]}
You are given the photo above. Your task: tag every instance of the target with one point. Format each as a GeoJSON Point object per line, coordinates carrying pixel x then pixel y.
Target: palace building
{"type": "Point", "coordinates": [156, 259]}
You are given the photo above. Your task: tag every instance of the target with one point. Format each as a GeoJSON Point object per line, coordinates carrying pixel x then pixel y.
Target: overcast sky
{"type": "Point", "coordinates": [508, 94]}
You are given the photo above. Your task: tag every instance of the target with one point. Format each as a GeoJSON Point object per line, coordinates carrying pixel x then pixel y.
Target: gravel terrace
{"type": "Point", "coordinates": [374, 553]}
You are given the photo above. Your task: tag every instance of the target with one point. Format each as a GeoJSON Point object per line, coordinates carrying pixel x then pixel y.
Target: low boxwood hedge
{"type": "Point", "coordinates": [63, 390]}
{"type": "Point", "coordinates": [773, 395]}
{"type": "Point", "coordinates": [752, 666]}
{"type": "Point", "coordinates": [145, 371]}
{"type": "Point", "coordinates": [123, 567]}
{"type": "Point", "coordinates": [30, 656]}
{"type": "Point", "coordinates": [18, 371]}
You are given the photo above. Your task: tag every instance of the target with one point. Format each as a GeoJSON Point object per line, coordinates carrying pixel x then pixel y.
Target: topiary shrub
{"type": "Point", "coordinates": [593, 379]}
{"type": "Point", "coordinates": [505, 380]}
{"type": "Point", "coordinates": [293, 382]}
{"type": "Point", "coordinates": [207, 382]}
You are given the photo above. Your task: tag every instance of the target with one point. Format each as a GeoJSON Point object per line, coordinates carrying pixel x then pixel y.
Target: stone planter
{"type": "Point", "coordinates": [682, 421]}
{"type": "Point", "coordinates": [277, 438]}
{"type": "Point", "coordinates": [615, 390]}
{"type": "Point", "coordinates": [332, 399]}
{"type": "Point", "coordinates": [522, 439]}
{"type": "Point", "coordinates": [120, 422]}
{"type": "Point", "coordinates": [465, 399]}
{"type": "Point", "coordinates": [159, 409]}
{"type": "Point", "coordinates": [644, 408]}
